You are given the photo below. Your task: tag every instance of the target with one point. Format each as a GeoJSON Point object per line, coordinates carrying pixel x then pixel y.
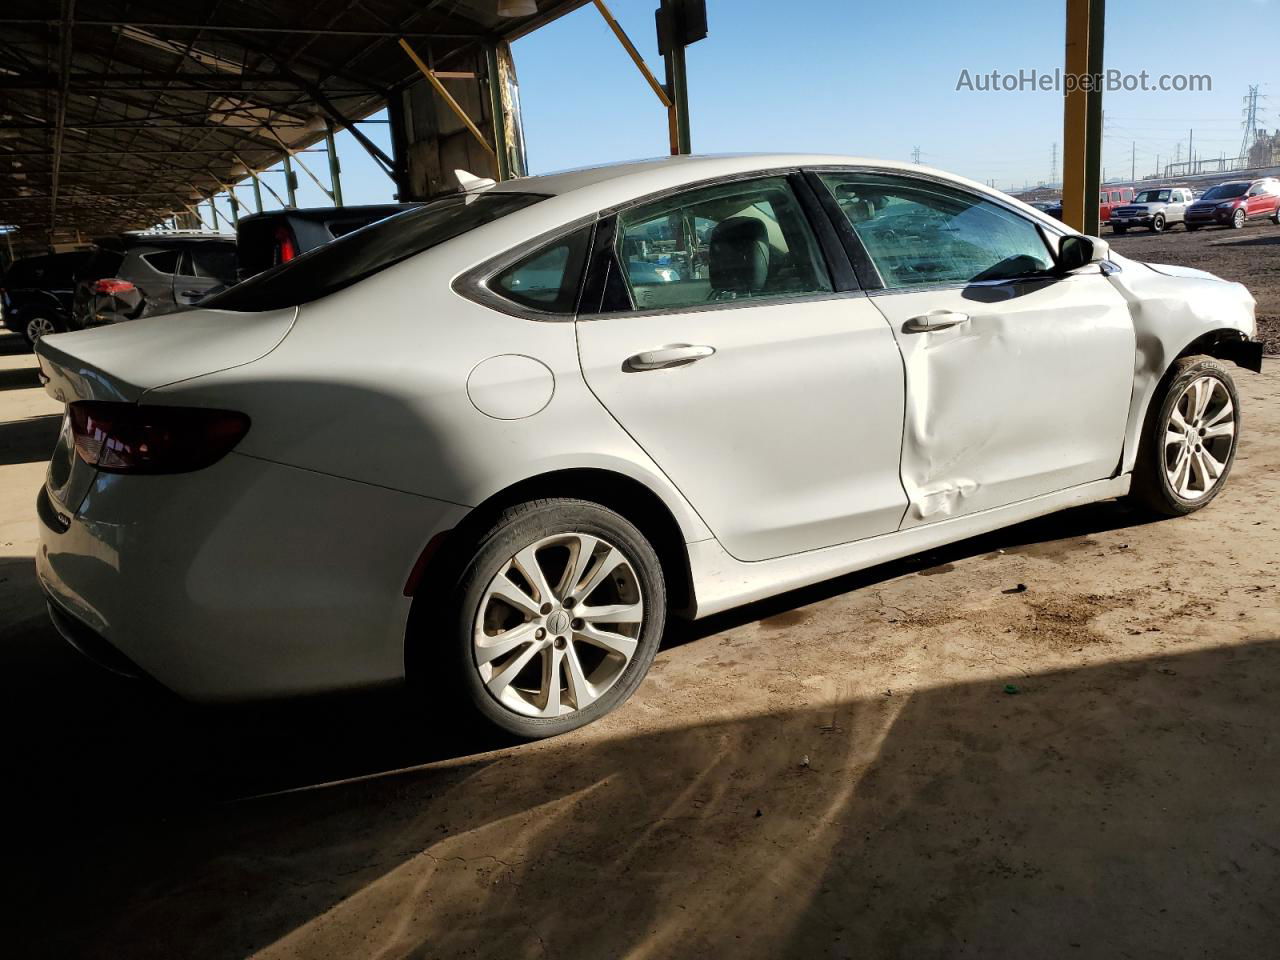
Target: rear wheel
{"type": "Point", "coordinates": [40, 325]}
{"type": "Point", "coordinates": [1275, 217]}
{"type": "Point", "coordinates": [559, 614]}
{"type": "Point", "coordinates": [1238, 219]}
{"type": "Point", "coordinates": [1192, 227]}
{"type": "Point", "coordinates": [1189, 438]}
{"type": "Point", "coordinates": [1157, 223]}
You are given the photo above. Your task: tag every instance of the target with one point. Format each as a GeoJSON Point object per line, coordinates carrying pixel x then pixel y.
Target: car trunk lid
{"type": "Point", "coordinates": [121, 363]}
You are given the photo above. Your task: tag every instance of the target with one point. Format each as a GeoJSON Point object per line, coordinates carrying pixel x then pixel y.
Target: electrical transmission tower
{"type": "Point", "coordinates": [1251, 120]}
{"type": "Point", "coordinates": [915, 155]}
{"type": "Point", "coordinates": [1053, 164]}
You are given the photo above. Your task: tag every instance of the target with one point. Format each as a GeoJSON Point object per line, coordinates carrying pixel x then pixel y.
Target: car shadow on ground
{"type": "Point", "coordinates": [11, 344]}
{"type": "Point", "coordinates": [1113, 810]}
{"type": "Point", "coordinates": [28, 441]}
{"type": "Point", "coordinates": [20, 378]}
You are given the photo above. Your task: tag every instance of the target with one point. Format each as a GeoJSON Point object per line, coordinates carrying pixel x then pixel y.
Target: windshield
{"type": "Point", "coordinates": [1226, 191]}
{"type": "Point", "coordinates": [362, 253]}
{"type": "Point", "coordinates": [1152, 196]}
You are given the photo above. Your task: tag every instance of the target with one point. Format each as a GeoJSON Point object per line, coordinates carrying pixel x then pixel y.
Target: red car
{"type": "Point", "coordinates": [1233, 204]}
{"type": "Point", "coordinates": [1112, 197]}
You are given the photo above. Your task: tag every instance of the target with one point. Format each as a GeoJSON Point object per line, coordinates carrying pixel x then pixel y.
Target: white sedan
{"type": "Point", "coordinates": [490, 444]}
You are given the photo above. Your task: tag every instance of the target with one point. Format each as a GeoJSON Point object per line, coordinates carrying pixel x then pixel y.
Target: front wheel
{"type": "Point", "coordinates": [1119, 229]}
{"type": "Point", "coordinates": [1189, 438]}
{"type": "Point", "coordinates": [1192, 227]}
{"type": "Point", "coordinates": [1157, 223]}
{"type": "Point", "coordinates": [1237, 219]}
{"type": "Point", "coordinates": [559, 613]}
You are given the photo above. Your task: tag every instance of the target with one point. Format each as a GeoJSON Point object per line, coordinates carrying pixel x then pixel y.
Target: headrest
{"type": "Point", "coordinates": [739, 256]}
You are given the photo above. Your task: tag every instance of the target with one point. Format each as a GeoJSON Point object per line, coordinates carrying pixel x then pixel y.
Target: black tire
{"type": "Point", "coordinates": [1239, 219]}
{"type": "Point", "coordinates": [1119, 229]}
{"type": "Point", "coordinates": [1275, 217]}
{"type": "Point", "coordinates": [514, 529]}
{"type": "Point", "coordinates": [1151, 488]}
{"type": "Point", "coordinates": [31, 325]}
{"type": "Point", "coordinates": [1157, 223]}
{"type": "Point", "coordinates": [1192, 227]}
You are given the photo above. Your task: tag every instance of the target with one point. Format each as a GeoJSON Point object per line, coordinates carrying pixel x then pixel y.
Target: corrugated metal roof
{"type": "Point", "coordinates": [116, 113]}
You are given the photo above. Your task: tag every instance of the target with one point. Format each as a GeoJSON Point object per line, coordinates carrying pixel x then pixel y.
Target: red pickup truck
{"type": "Point", "coordinates": [1112, 197]}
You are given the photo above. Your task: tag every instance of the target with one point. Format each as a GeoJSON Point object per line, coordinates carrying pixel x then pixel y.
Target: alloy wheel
{"type": "Point", "coordinates": [1237, 219]}
{"type": "Point", "coordinates": [558, 625]}
{"type": "Point", "coordinates": [38, 327]}
{"type": "Point", "coordinates": [1198, 438]}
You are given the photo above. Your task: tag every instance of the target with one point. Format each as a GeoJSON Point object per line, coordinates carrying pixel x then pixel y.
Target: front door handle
{"type": "Point", "coordinates": [672, 355]}
{"type": "Point", "coordinates": [935, 320]}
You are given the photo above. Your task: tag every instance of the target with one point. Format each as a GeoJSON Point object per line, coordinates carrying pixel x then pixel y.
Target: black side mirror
{"type": "Point", "coordinates": [1074, 252]}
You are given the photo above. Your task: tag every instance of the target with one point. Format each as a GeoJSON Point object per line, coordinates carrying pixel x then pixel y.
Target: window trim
{"type": "Point", "coordinates": [834, 259]}
{"type": "Point", "coordinates": [865, 267]}
{"type": "Point", "coordinates": [473, 284]}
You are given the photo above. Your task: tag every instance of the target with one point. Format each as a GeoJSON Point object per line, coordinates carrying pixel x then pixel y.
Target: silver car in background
{"type": "Point", "coordinates": [1157, 209]}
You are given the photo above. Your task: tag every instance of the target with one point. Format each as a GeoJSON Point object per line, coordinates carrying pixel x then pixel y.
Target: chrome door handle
{"type": "Point", "coordinates": [936, 320]}
{"type": "Point", "coordinates": [672, 355]}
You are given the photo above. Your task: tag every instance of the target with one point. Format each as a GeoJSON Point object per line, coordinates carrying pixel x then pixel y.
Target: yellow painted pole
{"type": "Point", "coordinates": [1075, 116]}
{"type": "Point", "coordinates": [445, 96]}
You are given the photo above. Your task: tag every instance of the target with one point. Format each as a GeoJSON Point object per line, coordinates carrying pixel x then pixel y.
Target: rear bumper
{"type": "Point", "coordinates": [245, 580]}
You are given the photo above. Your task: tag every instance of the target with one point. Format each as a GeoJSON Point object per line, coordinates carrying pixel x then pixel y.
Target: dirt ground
{"type": "Point", "coordinates": [1061, 740]}
{"type": "Point", "coordinates": [1250, 256]}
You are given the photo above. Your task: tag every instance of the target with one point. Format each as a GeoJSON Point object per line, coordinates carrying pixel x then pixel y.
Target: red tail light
{"type": "Point", "coordinates": [128, 438]}
{"type": "Point", "coordinates": [112, 285]}
{"type": "Point", "coordinates": [286, 246]}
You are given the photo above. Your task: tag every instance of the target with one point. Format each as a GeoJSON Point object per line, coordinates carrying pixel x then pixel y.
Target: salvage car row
{"type": "Point", "coordinates": [135, 275]}
{"type": "Point", "coordinates": [1231, 204]}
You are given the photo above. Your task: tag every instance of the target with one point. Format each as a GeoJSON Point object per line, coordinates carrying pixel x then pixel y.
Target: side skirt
{"type": "Point", "coordinates": [720, 582]}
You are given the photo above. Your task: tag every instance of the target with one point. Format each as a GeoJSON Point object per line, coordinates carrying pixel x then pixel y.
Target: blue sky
{"type": "Point", "coordinates": [875, 79]}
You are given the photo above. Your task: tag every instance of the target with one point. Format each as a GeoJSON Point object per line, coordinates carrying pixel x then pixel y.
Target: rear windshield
{"type": "Point", "coordinates": [362, 253]}
{"type": "Point", "coordinates": [1226, 191]}
{"type": "Point", "coordinates": [1152, 196]}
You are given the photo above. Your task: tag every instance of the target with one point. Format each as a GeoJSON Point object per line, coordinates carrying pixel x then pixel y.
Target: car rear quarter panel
{"type": "Point", "coordinates": [371, 384]}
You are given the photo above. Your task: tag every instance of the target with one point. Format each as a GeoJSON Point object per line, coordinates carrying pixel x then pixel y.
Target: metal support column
{"type": "Point", "coordinates": [335, 170]}
{"type": "Point", "coordinates": [1082, 115]}
{"type": "Point", "coordinates": [399, 144]}
{"type": "Point", "coordinates": [493, 81]}
{"type": "Point", "coordinates": [290, 181]}
{"type": "Point", "coordinates": [677, 81]}
{"type": "Point", "coordinates": [257, 190]}
{"type": "Point", "coordinates": [213, 208]}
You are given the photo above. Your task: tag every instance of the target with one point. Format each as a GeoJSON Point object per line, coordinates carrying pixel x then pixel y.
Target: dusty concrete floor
{"type": "Point", "coordinates": [836, 773]}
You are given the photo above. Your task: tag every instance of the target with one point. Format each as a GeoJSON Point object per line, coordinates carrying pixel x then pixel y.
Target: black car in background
{"type": "Point", "coordinates": [36, 293]}
{"type": "Point", "coordinates": [141, 275]}
{"type": "Point", "coordinates": [264, 240]}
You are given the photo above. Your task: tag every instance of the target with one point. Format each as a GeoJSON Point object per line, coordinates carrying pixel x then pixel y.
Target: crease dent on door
{"type": "Point", "coordinates": [976, 397]}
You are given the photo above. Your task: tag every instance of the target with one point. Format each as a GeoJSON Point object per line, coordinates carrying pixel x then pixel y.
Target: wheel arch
{"type": "Point", "coordinates": [1223, 343]}
{"type": "Point", "coordinates": [443, 559]}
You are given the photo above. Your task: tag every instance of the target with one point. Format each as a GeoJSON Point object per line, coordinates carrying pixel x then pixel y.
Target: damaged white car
{"type": "Point", "coordinates": [492, 443]}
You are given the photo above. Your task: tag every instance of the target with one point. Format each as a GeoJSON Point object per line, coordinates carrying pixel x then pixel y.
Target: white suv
{"type": "Point", "coordinates": [1154, 209]}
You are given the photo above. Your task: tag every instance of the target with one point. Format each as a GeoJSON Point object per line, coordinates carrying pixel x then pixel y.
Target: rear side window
{"type": "Point", "coordinates": [162, 261]}
{"type": "Point", "coordinates": [745, 240]}
{"type": "Point", "coordinates": [549, 279]}
{"type": "Point", "coordinates": [922, 233]}
{"type": "Point", "coordinates": [213, 261]}
{"type": "Point", "coordinates": [333, 266]}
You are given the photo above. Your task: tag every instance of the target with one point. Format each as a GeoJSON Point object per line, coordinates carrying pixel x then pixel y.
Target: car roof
{"type": "Point", "coordinates": [637, 177]}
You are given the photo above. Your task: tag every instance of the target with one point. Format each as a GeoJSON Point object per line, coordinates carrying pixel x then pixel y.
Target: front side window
{"type": "Point", "coordinates": [920, 233]}
{"type": "Point", "coordinates": [548, 279]}
{"type": "Point", "coordinates": [746, 240]}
